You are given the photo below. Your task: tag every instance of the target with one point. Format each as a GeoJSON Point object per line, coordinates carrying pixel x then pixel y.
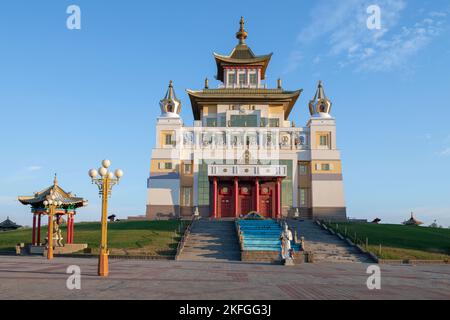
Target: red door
{"type": "Point", "coordinates": [266, 192]}
{"type": "Point", "coordinates": [245, 199]}
{"type": "Point", "coordinates": [225, 201]}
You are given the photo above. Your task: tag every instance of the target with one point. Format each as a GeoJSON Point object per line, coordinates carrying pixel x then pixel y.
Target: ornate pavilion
{"type": "Point", "coordinates": [70, 203]}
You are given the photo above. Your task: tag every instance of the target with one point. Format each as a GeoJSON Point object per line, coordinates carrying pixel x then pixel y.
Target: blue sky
{"type": "Point", "coordinates": [69, 98]}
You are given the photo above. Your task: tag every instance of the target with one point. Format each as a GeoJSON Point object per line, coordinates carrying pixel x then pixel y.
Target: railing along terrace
{"type": "Point", "coordinates": [249, 138]}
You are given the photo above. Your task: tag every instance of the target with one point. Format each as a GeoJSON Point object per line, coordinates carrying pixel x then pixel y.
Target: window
{"type": "Point", "coordinates": [303, 169]}
{"type": "Point", "coordinates": [187, 168]}
{"type": "Point", "coordinates": [253, 79]}
{"type": "Point", "coordinates": [323, 140]}
{"type": "Point", "coordinates": [242, 79]}
{"type": "Point", "coordinates": [274, 122]}
{"type": "Point", "coordinates": [231, 79]}
{"type": "Point", "coordinates": [211, 122]}
{"type": "Point", "coordinates": [168, 140]}
{"type": "Point", "coordinates": [264, 122]}
{"type": "Point", "coordinates": [244, 121]}
{"type": "Point", "coordinates": [325, 167]}
{"type": "Point", "coordinates": [186, 193]}
{"type": "Point", "coordinates": [303, 197]}
{"type": "Point", "coordinates": [168, 165]}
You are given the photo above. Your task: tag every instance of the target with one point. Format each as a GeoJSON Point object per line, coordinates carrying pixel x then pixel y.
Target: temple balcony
{"type": "Point", "coordinates": [247, 170]}
{"type": "Point", "coordinates": [244, 138]}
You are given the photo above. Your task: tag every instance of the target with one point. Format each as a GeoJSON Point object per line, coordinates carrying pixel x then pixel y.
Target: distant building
{"type": "Point", "coordinates": [412, 221]}
{"type": "Point", "coordinates": [8, 225]}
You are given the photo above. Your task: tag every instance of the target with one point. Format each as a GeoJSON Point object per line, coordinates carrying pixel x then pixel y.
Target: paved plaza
{"type": "Point", "coordinates": [37, 278]}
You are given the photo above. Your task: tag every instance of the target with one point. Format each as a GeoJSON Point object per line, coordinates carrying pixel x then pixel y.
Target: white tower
{"type": "Point", "coordinates": [327, 185]}
{"type": "Point", "coordinates": [164, 181]}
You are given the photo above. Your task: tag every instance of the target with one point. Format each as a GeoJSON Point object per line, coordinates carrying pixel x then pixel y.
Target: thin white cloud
{"type": "Point", "coordinates": [8, 200]}
{"type": "Point", "coordinates": [294, 61]}
{"type": "Point", "coordinates": [341, 29]}
{"type": "Point", "coordinates": [34, 168]}
{"type": "Point", "coordinates": [445, 152]}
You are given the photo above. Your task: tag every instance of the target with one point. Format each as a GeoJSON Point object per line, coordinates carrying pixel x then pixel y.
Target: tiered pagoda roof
{"type": "Point", "coordinates": [241, 55]}
{"type": "Point", "coordinates": [67, 198]}
{"type": "Point", "coordinates": [9, 225]}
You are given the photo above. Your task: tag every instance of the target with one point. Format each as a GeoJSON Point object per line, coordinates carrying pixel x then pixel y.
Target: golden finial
{"type": "Point", "coordinates": [55, 180]}
{"type": "Point", "coordinates": [279, 83]}
{"type": "Point", "coordinates": [170, 84]}
{"type": "Point", "coordinates": [206, 83]}
{"type": "Point", "coordinates": [242, 34]}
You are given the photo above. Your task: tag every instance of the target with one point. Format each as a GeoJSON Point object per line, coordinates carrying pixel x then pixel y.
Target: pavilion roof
{"type": "Point", "coordinates": [67, 198]}
{"type": "Point", "coordinates": [8, 224]}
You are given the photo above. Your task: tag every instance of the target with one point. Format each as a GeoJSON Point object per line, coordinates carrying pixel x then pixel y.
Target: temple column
{"type": "Point", "coordinates": [39, 229]}
{"type": "Point", "coordinates": [215, 195]}
{"type": "Point", "coordinates": [278, 199]}
{"type": "Point", "coordinates": [236, 197]}
{"type": "Point", "coordinates": [257, 195]}
{"type": "Point", "coordinates": [33, 240]}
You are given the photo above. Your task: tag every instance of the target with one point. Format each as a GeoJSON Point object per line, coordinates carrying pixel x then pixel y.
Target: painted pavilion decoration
{"type": "Point", "coordinates": [68, 209]}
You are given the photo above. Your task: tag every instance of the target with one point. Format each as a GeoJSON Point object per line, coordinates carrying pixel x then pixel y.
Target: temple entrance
{"type": "Point", "coordinates": [237, 196]}
{"type": "Point", "coordinates": [225, 201]}
{"type": "Point", "coordinates": [266, 201]}
{"type": "Point", "coordinates": [245, 199]}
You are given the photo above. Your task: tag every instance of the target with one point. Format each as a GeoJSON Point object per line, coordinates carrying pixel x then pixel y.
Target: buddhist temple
{"type": "Point", "coordinates": [412, 221]}
{"type": "Point", "coordinates": [8, 225]}
{"type": "Point", "coordinates": [70, 203]}
{"type": "Point", "coordinates": [243, 153]}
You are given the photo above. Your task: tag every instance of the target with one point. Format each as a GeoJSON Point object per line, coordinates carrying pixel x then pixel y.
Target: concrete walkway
{"type": "Point", "coordinates": [212, 241]}
{"type": "Point", "coordinates": [326, 246]}
{"type": "Point", "coordinates": [37, 278]}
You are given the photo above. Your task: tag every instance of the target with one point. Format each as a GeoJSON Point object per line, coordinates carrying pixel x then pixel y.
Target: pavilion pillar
{"type": "Point", "coordinates": [33, 240]}
{"type": "Point", "coordinates": [39, 229]}
{"type": "Point", "coordinates": [72, 227]}
{"type": "Point", "coordinates": [69, 228]}
{"type": "Point", "coordinates": [278, 199]}
{"type": "Point", "coordinates": [215, 195]}
{"type": "Point", "coordinates": [236, 197]}
{"type": "Point", "coordinates": [257, 195]}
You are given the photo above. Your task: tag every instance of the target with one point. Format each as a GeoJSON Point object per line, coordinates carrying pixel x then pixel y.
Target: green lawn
{"type": "Point", "coordinates": [399, 241]}
{"type": "Point", "coordinates": [128, 237]}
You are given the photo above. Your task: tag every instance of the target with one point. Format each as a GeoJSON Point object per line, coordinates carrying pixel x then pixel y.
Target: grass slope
{"type": "Point", "coordinates": [128, 237]}
{"type": "Point", "coordinates": [399, 241]}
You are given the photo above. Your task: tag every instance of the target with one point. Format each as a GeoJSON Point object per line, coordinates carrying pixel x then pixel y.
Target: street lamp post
{"type": "Point", "coordinates": [105, 183]}
{"type": "Point", "coordinates": [51, 204]}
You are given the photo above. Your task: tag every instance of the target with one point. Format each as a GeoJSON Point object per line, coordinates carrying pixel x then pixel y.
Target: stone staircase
{"type": "Point", "coordinates": [211, 241]}
{"type": "Point", "coordinates": [325, 246]}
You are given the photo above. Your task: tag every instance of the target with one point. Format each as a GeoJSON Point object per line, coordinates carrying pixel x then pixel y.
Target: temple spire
{"type": "Point", "coordinates": [55, 180]}
{"type": "Point", "coordinates": [241, 35]}
{"type": "Point", "coordinates": [170, 105]}
{"type": "Point", "coordinates": [320, 105]}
